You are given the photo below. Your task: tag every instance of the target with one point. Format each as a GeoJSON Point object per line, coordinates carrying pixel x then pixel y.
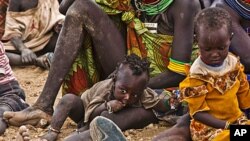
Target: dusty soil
{"type": "Point", "coordinates": [32, 80]}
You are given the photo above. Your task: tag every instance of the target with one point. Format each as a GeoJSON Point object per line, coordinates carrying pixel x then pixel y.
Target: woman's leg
{"type": "Point", "coordinates": [69, 106]}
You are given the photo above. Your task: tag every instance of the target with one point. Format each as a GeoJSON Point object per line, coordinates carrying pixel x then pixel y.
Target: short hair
{"type": "Point", "coordinates": [137, 64]}
{"type": "Point", "coordinates": [212, 18]}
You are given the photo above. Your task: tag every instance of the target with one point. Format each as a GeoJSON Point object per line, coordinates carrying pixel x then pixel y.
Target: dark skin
{"type": "Point", "coordinates": [82, 17]}
{"type": "Point", "coordinates": [127, 91]}
{"type": "Point", "coordinates": [213, 51]}
{"type": "Point", "coordinates": [3, 124]}
{"type": "Point", "coordinates": [240, 44]}
{"type": "Point", "coordinates": [23, 55]}
{"type": "Point", "coordinates": [214, 47]}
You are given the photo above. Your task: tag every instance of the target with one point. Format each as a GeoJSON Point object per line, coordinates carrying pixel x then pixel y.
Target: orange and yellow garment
{"type": "Point", "coordinates": [140, 41]}
{"type": "Point", "coordinates": [211, 89]}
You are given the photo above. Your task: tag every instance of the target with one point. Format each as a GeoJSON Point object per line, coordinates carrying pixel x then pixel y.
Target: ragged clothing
{"type": "Point", "coordinates": [102, 91]}
{"type": "Point", "coordinates": [34, 26]}
{"type": "Point", "coordinates": [210, 89]}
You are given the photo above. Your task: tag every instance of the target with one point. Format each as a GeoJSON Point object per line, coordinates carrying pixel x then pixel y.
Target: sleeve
{"type": "Point", "coordinates": [194, 92]}
{"type": "Point", "coordinates": [243, 93]}
{"type": "Point", "coordinates": [149, 99]}
{"type": "Point", "coordinates": [13, 26]}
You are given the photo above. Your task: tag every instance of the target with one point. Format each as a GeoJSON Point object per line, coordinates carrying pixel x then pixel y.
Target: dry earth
{"type": "Point", "coordinates": [32, 80]}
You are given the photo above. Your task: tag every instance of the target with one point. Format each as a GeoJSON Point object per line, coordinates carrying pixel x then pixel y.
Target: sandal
{"type": "Point", "coordinates": [45, 60]}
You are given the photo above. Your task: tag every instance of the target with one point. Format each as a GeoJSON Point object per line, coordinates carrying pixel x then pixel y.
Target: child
{"type": "Point", "coordinates": [125, 99]}
{"type": "Point", "coordinates": [216, 88]}
{"type": "Point", "coordinates": [11, 95]}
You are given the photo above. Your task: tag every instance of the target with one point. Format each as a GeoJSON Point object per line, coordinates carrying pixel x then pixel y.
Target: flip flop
{"type": "Point", "coordinates": [45, 60]}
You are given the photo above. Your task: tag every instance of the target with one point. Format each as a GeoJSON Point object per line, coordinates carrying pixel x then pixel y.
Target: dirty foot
{"type": "Point", "coordinates": [51, 135]}
{"type": "Point", "coordinates": [23, 134]}
{"type": "Point", "coordinates": [30, 115]}
{"type": "Point", "coordinates": [3, 126]}
{"type": "Point", "coordinates": [45, 60]}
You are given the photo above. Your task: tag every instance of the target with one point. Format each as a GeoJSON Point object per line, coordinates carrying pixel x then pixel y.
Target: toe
{"type": "Point", "coordinates": [7, 115]}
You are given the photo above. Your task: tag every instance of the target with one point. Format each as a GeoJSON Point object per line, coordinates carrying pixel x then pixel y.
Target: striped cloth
{"type": "Point", "coordinates": [6, 74]}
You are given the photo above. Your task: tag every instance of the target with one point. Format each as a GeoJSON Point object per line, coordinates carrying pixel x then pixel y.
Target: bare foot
{"type": "Point", "coordinates": [50, 136]}
{"type": "Point", "coordinates": [3, 126]}
{"type": "Point", "coordinates": [30, 115]}
{"type": "Point", "coordinates": [23, 134]}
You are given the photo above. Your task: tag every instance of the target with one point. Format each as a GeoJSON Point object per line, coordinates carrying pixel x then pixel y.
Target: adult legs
{"type": "Point", "coordinates": [69, 106]}
{"type": "Point", "coordinates": [3, 124]}
{"type": "Point", "coordinates": [109, 46]}
{"type": "Point", "coordinates": [179, 132]}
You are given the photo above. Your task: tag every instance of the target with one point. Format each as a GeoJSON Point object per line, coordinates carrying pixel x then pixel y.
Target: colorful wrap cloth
{"type": "Point", "coordinates": [140, 41]}
{"type": "Point", "coordinates": [240, 8]}
{"type": "Point", "coordinates": [3, 8]}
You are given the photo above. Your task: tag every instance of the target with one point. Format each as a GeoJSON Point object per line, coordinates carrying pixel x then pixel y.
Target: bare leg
{"type": "Point", "coordinates": [15, 59]}
{"type": "Point", "coordinates": [3, 124]}
{"type": "Point", "coordinates": [179, 132]}
{"type": "Point", "coordinates": [133, 121]}
{"type": "Point", "coordinates": [70, 105]}
{"type": "Point", "coordinates": [81, 16]}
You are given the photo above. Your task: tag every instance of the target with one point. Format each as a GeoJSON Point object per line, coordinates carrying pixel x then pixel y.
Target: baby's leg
{"type": "Point", "coordinates": [69, 106]}
{"type": "Point", "coordinates": [3, 124]}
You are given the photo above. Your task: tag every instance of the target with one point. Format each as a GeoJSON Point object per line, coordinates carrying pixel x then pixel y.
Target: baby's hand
{"type": "Point", "coordinates": [114, 106]}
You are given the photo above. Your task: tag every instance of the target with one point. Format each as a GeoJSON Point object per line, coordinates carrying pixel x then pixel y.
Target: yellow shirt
{"type": "Point", "coordinates": [220, 91]}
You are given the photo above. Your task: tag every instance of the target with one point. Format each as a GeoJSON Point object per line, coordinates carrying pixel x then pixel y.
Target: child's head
{"type": "Point", "coordinates": [131, 79]}
{"type": "Point", "coordinates": [213, 29]}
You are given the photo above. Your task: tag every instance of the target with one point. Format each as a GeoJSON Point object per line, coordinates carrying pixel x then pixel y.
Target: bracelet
{"type": "Point", "coordinates": [109, 108]}
{"type": "Point", "coordinates": [227, 126]}
{"type": "Point", "coordinates": [54, 130]}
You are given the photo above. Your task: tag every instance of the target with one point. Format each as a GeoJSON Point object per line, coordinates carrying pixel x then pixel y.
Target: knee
{"type": "Point", "coordinates": [68, 99]}
{"type": "Point", "coordinates": [106, 114]}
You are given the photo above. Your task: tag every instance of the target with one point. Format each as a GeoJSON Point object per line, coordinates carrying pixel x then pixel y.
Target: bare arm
{"type": "Point", "coordinates": [161, 106]}
{"type": "Point", "coordinates": [64, 5]}
{"type": "Point", "coordinates": [209, 120]}
{"type": "Point", "coordinates": [183, 12]}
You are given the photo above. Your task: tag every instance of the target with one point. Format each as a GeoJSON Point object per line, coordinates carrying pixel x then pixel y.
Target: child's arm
{"type": "Point", "coordinates": [162, 106]}
{"type": "Point", "coordinates": [210, 120]}
{"type": "Point", "coordinates": [110, 106]}
{"type": "Point", "coordinates": [243, 93]}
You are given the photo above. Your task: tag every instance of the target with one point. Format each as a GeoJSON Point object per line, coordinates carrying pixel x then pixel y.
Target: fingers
{"type": "Point", "coordinates": [30, 58]}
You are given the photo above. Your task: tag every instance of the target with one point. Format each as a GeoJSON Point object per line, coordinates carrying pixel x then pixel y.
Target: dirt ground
{"type": "Point", "coordinates": [32, 80]}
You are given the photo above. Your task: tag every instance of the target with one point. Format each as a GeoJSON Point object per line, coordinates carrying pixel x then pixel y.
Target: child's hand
{"type": "Point", "coordinates": [115, 105]}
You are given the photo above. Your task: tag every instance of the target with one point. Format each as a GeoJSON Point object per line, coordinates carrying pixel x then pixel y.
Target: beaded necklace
{"type": "Point", "coordinates": [152, 8]}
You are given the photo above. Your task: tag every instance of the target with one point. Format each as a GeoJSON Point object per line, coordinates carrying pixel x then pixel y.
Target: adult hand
{"type": "Point", "coordinates": [28, 56]}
